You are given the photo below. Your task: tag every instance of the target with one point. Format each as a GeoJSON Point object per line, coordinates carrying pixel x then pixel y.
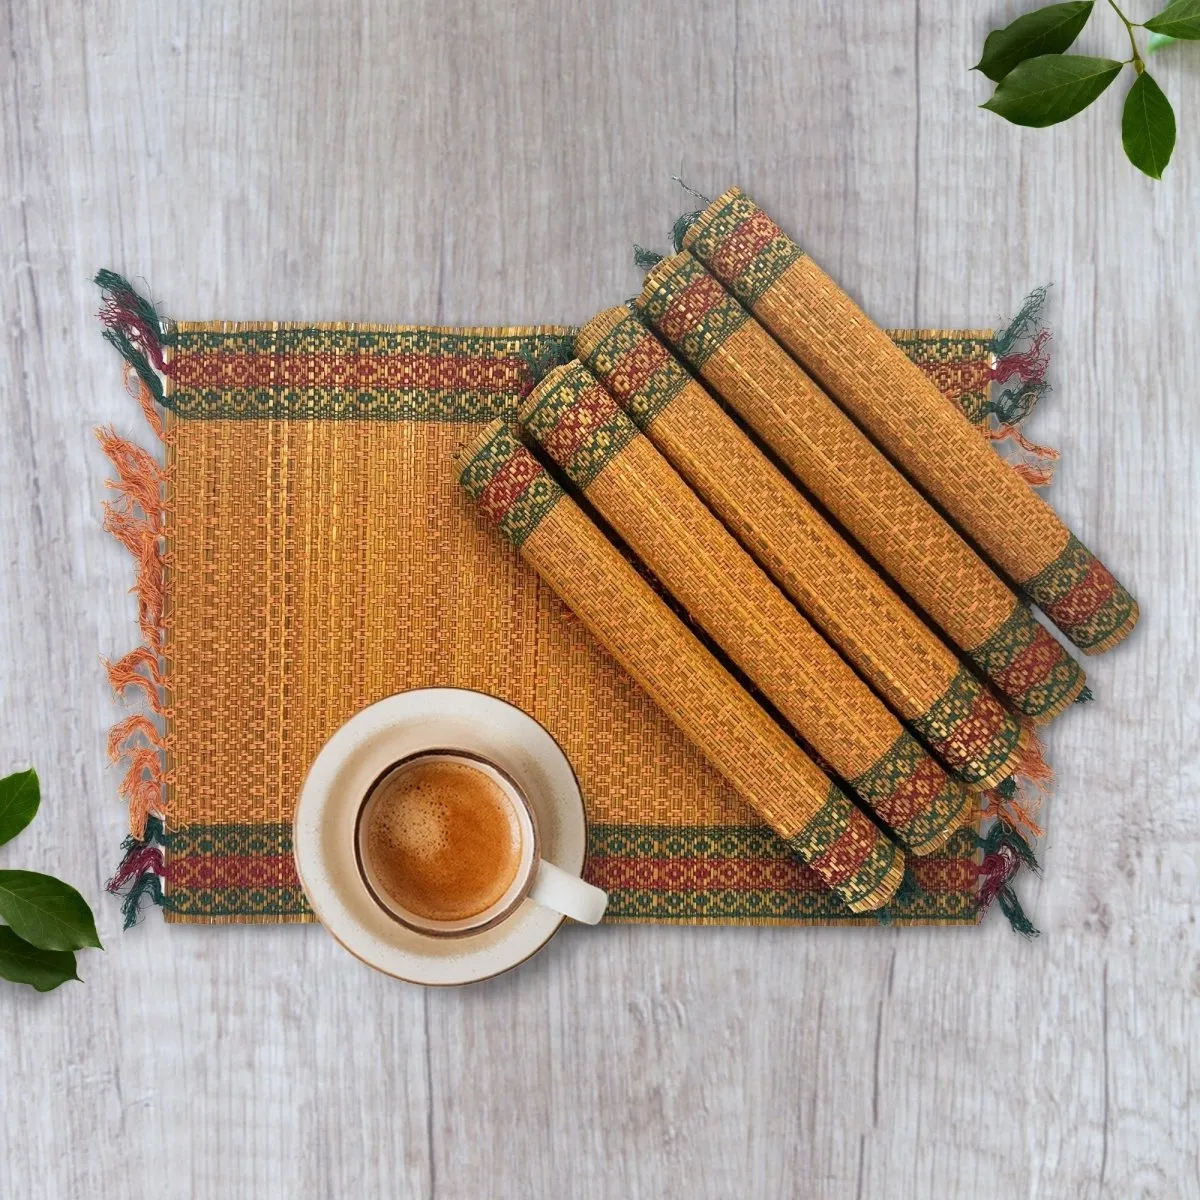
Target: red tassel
{"type": "Point", "coordinates": [147, 858]}
{"type": "Point", "coordinates": [1030, 365]}
{"type": "Point", "coordinates": [120, 310]}
{"type": "Point", "coordinates": [995, 872]}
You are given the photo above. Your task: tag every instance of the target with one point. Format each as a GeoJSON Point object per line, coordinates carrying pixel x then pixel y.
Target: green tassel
{"type": "Point", "coordinates": [1025, 320]}
{"type": "Point", "coordinates": [1085, 696]}
{"type": "Point", "coordinates": [119, 289]}
{"type": "Point", "coordinates": [549, 352]}
{"type": "Point", "coordinates": [1001, 834]}
{"type": "Point", "coordinates": [908, 891]}
{"type": "Point", "coordinates": [644, 259]}
{"type": "Point", "coordinates": [137, 360]}
{"type": "Point", "coordinates": [1013, 405]}
{"type": "Point", "coordinates": [147, 886]}
{"type": "Point", "coordinates": [680, 228]}
{"type": "Point", "coordinates": [1010, 906]}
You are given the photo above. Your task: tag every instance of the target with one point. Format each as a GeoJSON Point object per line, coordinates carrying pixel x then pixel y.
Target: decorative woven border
{"type": "Point", "coordinates": [1079, 594]}
{"type": "Point", "coordinates": [742, 873]}
{"type": "Point", "coordinates": [744, 244]}
{"type": "Point", "coordinates": [356, 372]}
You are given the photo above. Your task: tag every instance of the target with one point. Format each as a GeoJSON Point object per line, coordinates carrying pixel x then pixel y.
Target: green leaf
{"type": "Point", "coordinates": [1180, 19]}
{"type": "Point", "coordinates": [43, 969]}
{"type": "Point", "coordinates": [1048, 30]}
{"type": "Point", "coordinates": [1043, 91]}
{"type": "Point", "coordinates": [19, 800]}
{"type": "Point", "coordinates": [1158, 41]}
{"type": "Point", "coordinates": [1148, 126]}
{"type": "Point", "coordinates": [46, 912]}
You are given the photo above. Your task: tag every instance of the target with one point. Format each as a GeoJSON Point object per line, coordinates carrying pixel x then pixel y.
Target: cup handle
{"type": "Point", "coordinates": [565, 893]}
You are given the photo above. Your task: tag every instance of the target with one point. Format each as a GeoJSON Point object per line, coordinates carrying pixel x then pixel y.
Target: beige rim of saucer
{"type": "Point", "coordinates": [354, 757]}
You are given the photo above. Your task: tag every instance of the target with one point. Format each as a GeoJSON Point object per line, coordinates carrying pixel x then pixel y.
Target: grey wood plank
{"type": "Point", "coordinates": [467, 163]}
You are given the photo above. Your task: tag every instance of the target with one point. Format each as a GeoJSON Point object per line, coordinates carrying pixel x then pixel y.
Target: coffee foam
{"type": "Point", "coordinates": [443, 840]}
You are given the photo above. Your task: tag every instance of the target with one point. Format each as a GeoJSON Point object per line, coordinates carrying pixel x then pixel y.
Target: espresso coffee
{"type": "Point", "coordinates": [442, 839]}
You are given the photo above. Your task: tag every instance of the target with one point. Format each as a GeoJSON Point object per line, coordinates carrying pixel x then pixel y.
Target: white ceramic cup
{"type": "Point", "coordinates": [535, 879]}
{"type": "Point", "coordinates": [358, 755]}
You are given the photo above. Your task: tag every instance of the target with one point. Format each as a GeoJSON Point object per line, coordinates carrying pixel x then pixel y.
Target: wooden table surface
{"type": "Point", "coordinates": [456, 163]}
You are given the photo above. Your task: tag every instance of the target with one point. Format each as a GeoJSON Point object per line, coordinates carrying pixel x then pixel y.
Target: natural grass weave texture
{"type": "Point", "coordinates": [912, 668]}
{"type": "Point", "coordinates": [827, 453]}
{"type": "Point", "coordinates": [865, 372]}
{"type": "Point", "coordinates": [321, 556]}
{"type": "Point", "coordinates": [716, 714]}
{"type": "Point", "coordinates": [669, 528]}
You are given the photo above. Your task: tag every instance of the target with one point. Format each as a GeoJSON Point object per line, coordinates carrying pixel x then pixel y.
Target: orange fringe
{"type": "Point", "coordinates": [1035, 474]}
{"type": "Point", "coordinates": [1033, 778]}
{"type": "Point", "coordinates": [137, 519]}
{"type": "Point", "coordinates": [141, 393]}
{"type": "Point", "coordinates": [1012, 812]}
{"type": "Point", "coordinates": [142, 785]}
{"type": "Point", "coordinates": [125, 731]}
{"type": "Point", "coordinates": [140, 537]}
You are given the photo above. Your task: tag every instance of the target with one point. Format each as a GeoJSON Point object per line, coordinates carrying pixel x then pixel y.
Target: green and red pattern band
{"type": "Point", "coordinates": [510, 486]}
{"type": "Point", "coordinates": [1029, 666]}
{"type": "Point", "coordinates": [917, 799]}
{"type": "Point", "coordinates": [844, 849]}
{"type": "Point", "coordinates": [969, 727]}
{"type": "Point", "coordinates": [637, 369]}
{"type": "Point", "coordinates": [1079, 594]}
{"type": "Point", "coordinates": [358, 373]}
{"type": "Point", "coordinates": [578, 423]}
{"type": "Point", "coordinates": [959, 365]}
{"type": "Point", "coordinates": [743, 247]}
{"type": "Point", "coordinates": [691, 310]}
{"type": "Point", "coordinates": [741, 873]}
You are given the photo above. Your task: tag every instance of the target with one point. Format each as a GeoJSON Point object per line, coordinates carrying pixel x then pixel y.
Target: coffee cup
{"type": "Point", "coordinates": [447, 844]}
{"type": "Point", "coordinates": [440, 836]}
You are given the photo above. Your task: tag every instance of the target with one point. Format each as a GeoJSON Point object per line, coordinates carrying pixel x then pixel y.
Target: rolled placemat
{"type": "Point", "coordinates": [956, 715]}
{"type": "Point", "coordinates": [620, 609]}
{"type": "Point", "coordinates": [727, 594]}
{"type": "Point", "coordinates": [850, 477]}
{"type": "Point", "coordinates": [872, 378]}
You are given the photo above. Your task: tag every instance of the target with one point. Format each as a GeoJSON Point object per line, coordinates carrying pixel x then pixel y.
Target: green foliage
{"type": "Point", "coordinates": [42, 969]}
{"type": "Point", "coordinates": [1180, 19]}
{"type": "Point", "coordinates": [20, 796]}
{"type": "Point", "coordinates": [1037, 84]}
{"type": "Point", "coordinates": [1049, 30]}
{"type": "Point", "coordinates": [1043, 91]}
{"type": "Point", "coordinates": [1148, 126]}
{"type": "Point", "coordinates": [46, 920]}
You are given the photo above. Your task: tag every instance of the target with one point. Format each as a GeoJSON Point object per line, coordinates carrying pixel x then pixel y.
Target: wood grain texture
{"type": "Point", "coordinates": [464, 162]}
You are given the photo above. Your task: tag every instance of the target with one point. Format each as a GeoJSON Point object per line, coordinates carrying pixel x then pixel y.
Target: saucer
{"type": "Point", "coordinates": [346, 767]}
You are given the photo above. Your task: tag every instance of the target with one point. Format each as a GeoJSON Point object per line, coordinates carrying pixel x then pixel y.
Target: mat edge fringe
{"type": "Point", "coordinates": [140, 743]}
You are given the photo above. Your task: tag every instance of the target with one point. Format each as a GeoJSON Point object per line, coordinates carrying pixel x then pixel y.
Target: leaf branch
{"type": "Point", "coordinates": [1138, 65]}
{"type": "Point", "coordinates": [1038, 83]}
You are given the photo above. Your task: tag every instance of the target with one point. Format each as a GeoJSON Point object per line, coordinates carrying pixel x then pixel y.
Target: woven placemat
{"type": "Point", "coordinates": [312, 553]}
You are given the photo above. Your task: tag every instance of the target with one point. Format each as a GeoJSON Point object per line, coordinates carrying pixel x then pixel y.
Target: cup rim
{"type": "Point", "coordinates": [531, 871]}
